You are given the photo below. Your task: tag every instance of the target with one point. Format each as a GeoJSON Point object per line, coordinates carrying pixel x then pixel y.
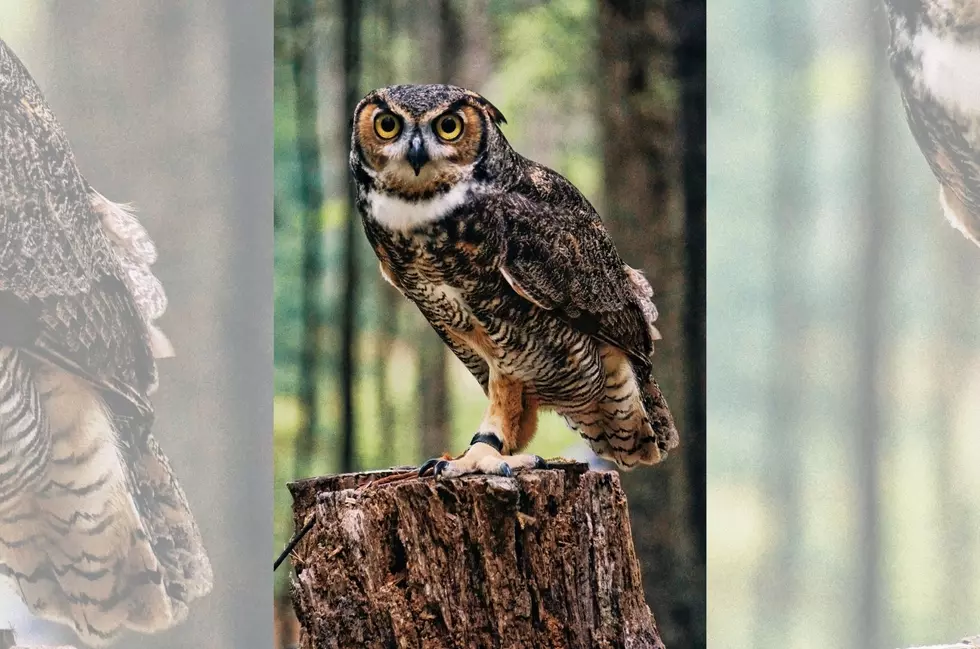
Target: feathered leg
{"type": "Point", "coordinates": [507, 427]}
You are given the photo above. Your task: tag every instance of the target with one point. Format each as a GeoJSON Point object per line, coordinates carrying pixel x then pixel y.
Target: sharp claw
{"type": "Point", "coordinates": [505, 470]}
{"type": "Point", "coordinates": [428, 465]}
{"type": "Point", "coordinates": [440, 467]}
{"type": "Point", "coordinates": [539, 462]}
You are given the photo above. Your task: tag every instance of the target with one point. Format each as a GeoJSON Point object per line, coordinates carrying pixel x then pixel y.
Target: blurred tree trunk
{"type": "Point", "coordinates": [690, 18]}
{"type": "Point", "coordinates": [478, 34]}
{"type": "Point", "coordinates": [873, 210]}
{"type": "Point", "coordinates": [645, 193]}
{"type": "Point", "coordinates": [959, 342]}
{"type": "Point", "coordinates": [302, 17]}
{"type": "Point", "coordinates": [351, 16]}
{"type": "Point", "coordinates": [777, 589]}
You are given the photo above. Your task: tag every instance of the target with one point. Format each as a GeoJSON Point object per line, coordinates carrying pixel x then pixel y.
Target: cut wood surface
{"type": "Point", "coordinates": [542, 559]}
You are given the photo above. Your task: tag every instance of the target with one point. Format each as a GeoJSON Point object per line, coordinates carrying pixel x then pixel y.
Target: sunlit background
{"type": "Point", "coordinates": [844, 392]}
{"type": "Point", "coordinates": [610, 95]}
{"type": "Point", "coordinates": [167, 107]}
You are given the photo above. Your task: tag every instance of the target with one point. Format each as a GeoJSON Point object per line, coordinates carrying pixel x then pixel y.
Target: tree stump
{"type": "Point", "coordinates": [542, 559]}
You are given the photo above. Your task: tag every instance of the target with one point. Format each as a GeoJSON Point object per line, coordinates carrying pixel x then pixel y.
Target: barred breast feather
{"type": "Point", "coordinates": [532, 287]}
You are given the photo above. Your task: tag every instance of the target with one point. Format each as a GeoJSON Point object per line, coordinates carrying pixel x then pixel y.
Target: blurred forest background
{"type": "Point", "coordinates": [168, 106]}
{"type": "Point", "coordinates": [610, 94]}
{"type": "Point", "coordinates": [844, 347]}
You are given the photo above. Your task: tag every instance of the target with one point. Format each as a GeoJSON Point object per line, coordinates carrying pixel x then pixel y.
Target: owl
{"type": "Point", "coordinates": [95, 531]}
{"type": "Point", "coordinates": [514, 270]}
{"type": "Point", "coordinates": [935, 55]}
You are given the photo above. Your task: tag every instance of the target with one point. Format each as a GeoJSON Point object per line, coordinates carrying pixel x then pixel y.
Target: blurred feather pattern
{"type": "Point", "coordinates": [935, 55]}
{"type": "Point", "coordinates": [95, 531]}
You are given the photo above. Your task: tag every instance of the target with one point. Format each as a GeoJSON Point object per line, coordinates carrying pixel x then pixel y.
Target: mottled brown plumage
{"type": "Point", "coordinates": [513, 268]}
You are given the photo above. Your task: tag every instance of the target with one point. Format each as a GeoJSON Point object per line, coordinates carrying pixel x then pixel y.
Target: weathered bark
{"type": "Point", "coordinates": [544, 559]}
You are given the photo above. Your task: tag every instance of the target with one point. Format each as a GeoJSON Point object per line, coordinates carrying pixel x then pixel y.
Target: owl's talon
{"type": "Point", "coordinates": [428, 465]}
{"type": "Point", "coordinates": [441, 466]}
{"type": "Point", "coordinates": [539, 462]}
{"type": "Point", "coordinates": [481, 459]}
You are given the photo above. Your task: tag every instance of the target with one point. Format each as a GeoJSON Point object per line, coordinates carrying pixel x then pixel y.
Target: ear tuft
{"type": "Point", "coordinates": [495, 115]}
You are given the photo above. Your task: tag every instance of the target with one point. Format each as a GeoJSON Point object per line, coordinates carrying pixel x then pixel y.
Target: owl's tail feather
{"type": "Point", "coordinates": [631, 424]}
{"type": "Point", "coordinates": [662, 433]}
{"type": "Point", "coordinates": [105, 540]}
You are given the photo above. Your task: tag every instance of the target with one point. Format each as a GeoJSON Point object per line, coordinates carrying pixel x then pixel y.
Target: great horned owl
{"type": "Point", "coordinates": [935, 55]}
{"type": "Point", "coordinates": [513, 268]}
{"type": "Point", "coordinates": [95, 531]}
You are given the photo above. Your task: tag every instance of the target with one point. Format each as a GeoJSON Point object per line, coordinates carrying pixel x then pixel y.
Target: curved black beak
{"type": "Point", "coordinates": [417, 155]}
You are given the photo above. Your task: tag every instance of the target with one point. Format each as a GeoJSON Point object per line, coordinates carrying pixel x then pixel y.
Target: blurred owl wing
{"type": "Point", "coordinates": [944, 139]}
{"type": "Point", "coordinates": [563, 260]}
{"type": "Point", "coordinates": [69, 259]}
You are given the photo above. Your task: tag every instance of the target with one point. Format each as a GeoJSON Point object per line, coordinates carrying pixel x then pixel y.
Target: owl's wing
{"type": "Point", "coordinates": [66, 290]}
{"type": "Point", "coordinates": [934, 69]}
{"type": "Point", "coordinates": [562, 259]}
{"type": "Point", "coordinates": [954, 159]}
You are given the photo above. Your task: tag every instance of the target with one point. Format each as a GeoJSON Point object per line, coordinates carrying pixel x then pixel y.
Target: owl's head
{"type": "Point", "coordinates": [416, 140]}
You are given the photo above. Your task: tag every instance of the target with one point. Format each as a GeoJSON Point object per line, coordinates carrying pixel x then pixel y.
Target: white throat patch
{"type": "Point", "coordinates": [950, 70]}
{"type": "Point", "coordinates": [395, 213]}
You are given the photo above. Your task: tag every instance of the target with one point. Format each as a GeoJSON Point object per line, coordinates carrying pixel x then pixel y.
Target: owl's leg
{"type": "Point", "coordinates": [507, 427]}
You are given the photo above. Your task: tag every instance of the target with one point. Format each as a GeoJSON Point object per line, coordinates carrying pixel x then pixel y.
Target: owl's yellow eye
{"type": "Point", "coordinates": [449, 127]}
{"type": "Point", "coordinates": [387, 126]}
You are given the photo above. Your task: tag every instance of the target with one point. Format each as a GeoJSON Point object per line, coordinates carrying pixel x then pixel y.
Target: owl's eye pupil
{"type": "Point", "coordinates": [448, 125]}
{"type": "Point", "coordinates": [388, 123]}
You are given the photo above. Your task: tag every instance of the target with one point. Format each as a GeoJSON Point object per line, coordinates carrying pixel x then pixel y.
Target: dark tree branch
{"type": "Point", "coordinates": [351, 14]}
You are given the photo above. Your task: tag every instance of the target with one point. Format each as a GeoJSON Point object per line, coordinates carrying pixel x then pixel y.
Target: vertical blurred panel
{"type": "Point", "coordinates": [168, 106]}
{"type": "Point", "coordinates": [874, 206]}
{"type": "Point", "coordinates": [790, 211]}
{"type": "Point", "coordinates": [843, 347]}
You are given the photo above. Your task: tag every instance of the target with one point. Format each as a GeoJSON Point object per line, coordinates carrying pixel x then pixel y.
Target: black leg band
{"type": "Point", "coordinates": [490, 439]}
